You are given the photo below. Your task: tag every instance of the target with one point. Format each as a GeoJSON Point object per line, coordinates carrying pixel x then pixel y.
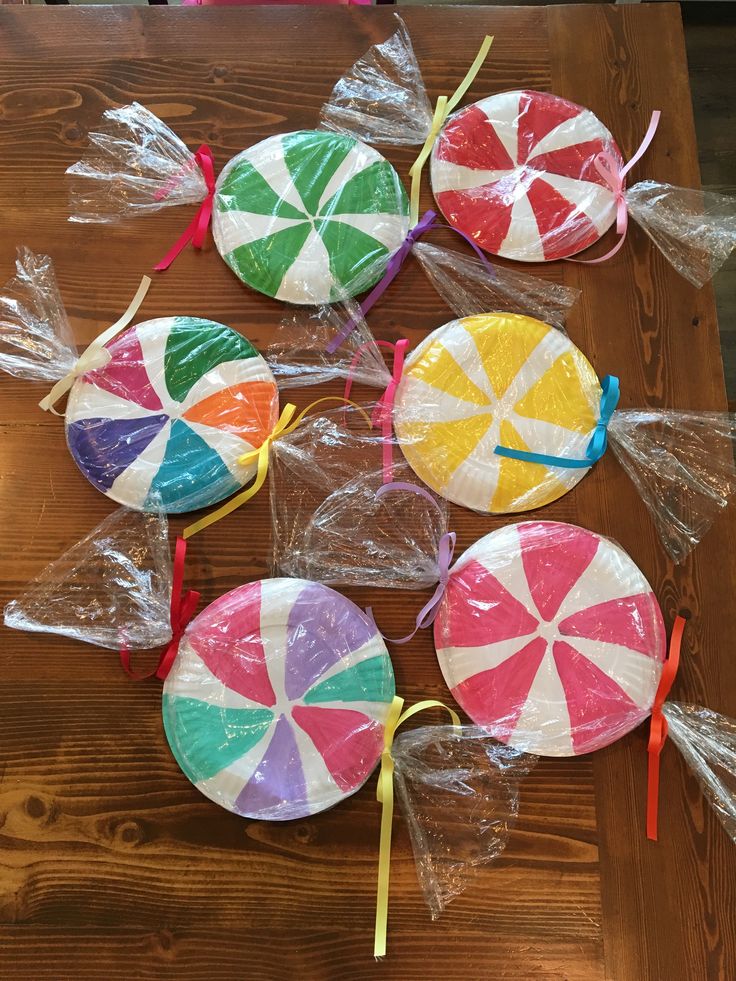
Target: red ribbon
{"type": "Point", "coordinates": [183, 606]}
{"type": "Point", "coordinates": [658, 726]}
{"type": "Point", "coordinates": [383, 413]}
{"type": "Point", "coordinates": [613, 175]}
{"type": "Point", "coordinates": [197, 229]}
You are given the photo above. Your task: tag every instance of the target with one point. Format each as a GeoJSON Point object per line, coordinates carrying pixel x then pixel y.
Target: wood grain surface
{"type": "Point", "coordinates": [112, 865]}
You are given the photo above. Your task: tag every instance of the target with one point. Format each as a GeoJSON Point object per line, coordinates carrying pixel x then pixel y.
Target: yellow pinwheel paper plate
{"type": "Point", "coordinates": [489, 380]}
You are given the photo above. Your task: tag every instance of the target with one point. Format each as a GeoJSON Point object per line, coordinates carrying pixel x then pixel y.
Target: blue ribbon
{"type": "Point", "coordinates": [598, 441]}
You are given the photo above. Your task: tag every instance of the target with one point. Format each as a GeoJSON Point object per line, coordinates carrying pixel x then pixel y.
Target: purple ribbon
{"type": "Point", "coordinates": [427, 222]}
{"type": "Point", "coordinates": [445, 552]}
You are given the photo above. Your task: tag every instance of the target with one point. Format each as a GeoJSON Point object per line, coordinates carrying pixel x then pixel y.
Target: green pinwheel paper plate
{"type": "Point", "coordinates": [309, 217]}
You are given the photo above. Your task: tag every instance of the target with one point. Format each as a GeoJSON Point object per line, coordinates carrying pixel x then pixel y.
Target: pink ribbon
{"type": "Point", "coordinates": [195, 232]}
{"type": "Point", "coordinates": [428, 613]}
{"type": "Point", "coordinates": [613, 175]}
{"type": "Point", "coordinates": [426, 223]}
{"type": "Point", "coordinates": [383, 413]}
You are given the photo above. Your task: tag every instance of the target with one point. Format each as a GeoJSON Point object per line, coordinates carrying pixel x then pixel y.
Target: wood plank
{"type": "Point", "coordinates": [662, 325]}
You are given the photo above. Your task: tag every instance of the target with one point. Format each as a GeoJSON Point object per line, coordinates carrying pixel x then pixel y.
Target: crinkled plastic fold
{"type": "Point", "coordinates": [682, 464]}
{"type": "Point", "coordinates": [459, 793]}
{"type": "Point", "coordinates": [707, 741]}
{"type": "Point", "coordinates": [36, 341]}
{"type": "Point", "coordinates": [327, 522]}
{"type": "Point", "coordinates": [112, 589]}
{"type": "Point", "coordinates": [382, 98]}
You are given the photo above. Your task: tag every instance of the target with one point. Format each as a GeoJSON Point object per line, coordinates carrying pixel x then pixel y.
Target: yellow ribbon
{"type": "Point", "coordinates": [96, 355]}
{"type": "Point", "coordinates": [442, 110]}
{"type": "Point", "coordinates": [283, 427]}
{"type": "Point", "coordinates": [385, 796]}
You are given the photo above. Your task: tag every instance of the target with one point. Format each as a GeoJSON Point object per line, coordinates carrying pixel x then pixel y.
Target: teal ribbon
{"type": "Point", "coordinates": [598, 441]}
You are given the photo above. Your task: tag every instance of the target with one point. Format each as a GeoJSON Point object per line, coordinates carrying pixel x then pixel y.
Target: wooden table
{"type": "Point", "coordinates": [114, 866]}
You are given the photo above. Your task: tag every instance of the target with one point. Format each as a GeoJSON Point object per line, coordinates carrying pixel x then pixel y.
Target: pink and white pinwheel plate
{"type": "Point", "coordinates": [551, 637]}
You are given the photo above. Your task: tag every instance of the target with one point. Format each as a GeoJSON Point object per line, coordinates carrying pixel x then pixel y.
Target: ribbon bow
{"type": "Point", "coordinates": [658, 725]}
{"type": "Point", "coordinates": [96, 355]}
{"type": "Point", "coordinates": [197, 229]}
{"type": "Point", "coordinates": [183, 606]}
{"type": "Point", "coordinates": [442, 110]}
{"type": "Point", "coordinates": [427, 222]}
{"type": "Point", "coordinates": [285, 425]}
{"type": "Point", "coordinates": [613, 176]}
{"type": "Point", "coordinates": [610, 391]}
{"type": "Point", "coordinates": [385, 797]}
{"type": "Point", "coordinates": [445, 552]}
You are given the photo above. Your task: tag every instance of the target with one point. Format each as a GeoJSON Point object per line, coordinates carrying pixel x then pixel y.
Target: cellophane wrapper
{"type": "Point", "coordinates": [382, 98]}
{"type": "Point", "coordinates": [327, 523]}
{"type": "Point", "coordinates": [469, 286]}
{"type": "Point", "coordinates": [112, 589]}
{"type": "Point", "coordinates": [551, 638]}
{"type": "Point", "coordinates": [134, 165]}
{"type": "Point", "coordinates": [682, 464]}
{"type": "Point", "coordinates": [707, 741]}
{"type": "Point", "coordinates": [36, 341]}
{"type": "Point", "coordinates": [459, 792]}
{"type": "Point", "coordinates": [695, 230]}
{"type": "Point", "coordinates": [298, 354]}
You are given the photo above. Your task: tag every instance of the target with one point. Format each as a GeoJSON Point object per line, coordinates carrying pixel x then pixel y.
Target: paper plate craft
{"type": "Point", "coordinates": [517, 172]}
{"type": "Point", "coordinates": [551, 638]}
{"type": "Point", "coordinates": [276, 703]}
{"type": "Point", "coordinates": [496, 379]}
{"type": "Point", "coordinates": [533, 177]}
{"type": "Point", "coordinates": [299, 216]}
{"type": "Point", "coordinates": [163, 423]}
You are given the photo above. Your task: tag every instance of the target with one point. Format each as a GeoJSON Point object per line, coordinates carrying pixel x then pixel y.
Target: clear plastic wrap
{"type": "Point", "coordinates": [550, 638]}
{"type": "Point", "coordinates": [135, 165]}
{"type": "Point", "coordinates": [296, 216]}
{"type": "Point", "coordinates": [382, 98]}
{"type": "Point", "coordinates": [694, 230]}
{"type": "Point", "coordinates": [469, 288]}
{"type": "Point", "coordinates": [112, 589]}
{"type": "Point", "coordinates": [314, 345]}
{"type": "Point", "coordinates": [36, 341]}
{"type": "Point", "coordinates": [707, 741]}
{"type": "Point", "coordinates": [682, 464]}
{"type": "Point", "coordinates": [276, 703]}
{"type": "Point", "coordinates": [327, 522]}
{"type": "Point", "coordinates": [459, 793]}
{"type": "Point", "coordinates": [533, 177]}
{"type": "Point", "coordinates": [299, 356]}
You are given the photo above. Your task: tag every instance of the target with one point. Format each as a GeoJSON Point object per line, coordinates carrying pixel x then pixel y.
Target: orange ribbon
{"type": "Point", "coordinates": [658, 725]}
{"type": "Point", "coordinates": [197, 229]}
{"type": "Point", "coordinates": [183, 606]}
